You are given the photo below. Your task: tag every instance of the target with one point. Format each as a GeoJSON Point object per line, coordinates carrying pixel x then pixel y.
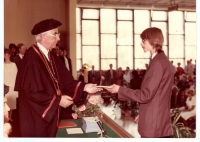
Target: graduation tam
{"type": "Point", "coordinates": [44, 26]}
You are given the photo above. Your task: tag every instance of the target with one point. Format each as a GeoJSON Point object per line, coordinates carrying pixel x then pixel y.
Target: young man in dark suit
{"type": "Point", "coordinates": [155, 93]}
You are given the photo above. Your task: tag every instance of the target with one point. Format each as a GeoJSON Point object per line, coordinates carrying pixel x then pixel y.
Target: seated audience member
{"type": "Point", "coordinates": [10, 72]}
{"type": "Point", "coordinates": [183, 82]}
{"type": "Point", "coordinates": [101, 78]}
{"type": "Point", "coordinates": [119, 76]}
{"type": "Point", "coordinates": [174, 97]}
{"type": "Point", "coordinates": [176, 79]}
{"type": "Point", "coordinates": [127, 75]}
{"type": "Point", "coordinates": [181, 98]}
{"type": "Point", "coordinates": [7, 126]}
{"type": "Point", "coordinates": [190, 108]}
{"type": "Point", "coordinates": [136, 81]}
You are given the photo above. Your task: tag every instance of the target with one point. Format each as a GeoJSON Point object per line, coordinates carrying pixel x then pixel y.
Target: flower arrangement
{"type": "Point", "coordinates": [90, 108]}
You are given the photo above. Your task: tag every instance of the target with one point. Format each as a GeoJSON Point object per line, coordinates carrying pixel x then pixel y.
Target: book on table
{"type": "Point", "coordinates": [89, 124]}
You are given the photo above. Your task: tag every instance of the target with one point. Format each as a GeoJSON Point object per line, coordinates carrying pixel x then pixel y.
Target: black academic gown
{"type": "Point", "coordinates": [38, 97]}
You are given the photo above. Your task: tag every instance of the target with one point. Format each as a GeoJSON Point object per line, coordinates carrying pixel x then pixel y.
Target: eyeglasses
{"type": "Point", "coordinates": [54, 35]}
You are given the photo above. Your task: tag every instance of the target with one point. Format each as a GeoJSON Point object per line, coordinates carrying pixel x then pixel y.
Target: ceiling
{"type": "Point", "coordinates": [139, 4]}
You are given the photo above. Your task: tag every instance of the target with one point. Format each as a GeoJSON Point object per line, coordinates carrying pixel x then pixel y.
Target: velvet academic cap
{"type": "Point", "coordinates": [44, 26]}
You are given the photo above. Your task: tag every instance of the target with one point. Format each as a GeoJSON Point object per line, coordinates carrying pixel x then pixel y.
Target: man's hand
{"type": "Point", "coordinates": [65, 101]}
{"type": "Point", "coordinates": [113, 88]}
{"type": "Point", "coordinates": [91, 88]}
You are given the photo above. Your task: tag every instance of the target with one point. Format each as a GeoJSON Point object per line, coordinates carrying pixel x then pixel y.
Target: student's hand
{"type": "Point", "coordinates": [65, 101]}
{"type": "Point", "coordinates": [91, 88]}
{"type": "Point", "coordinates": [113, 88]}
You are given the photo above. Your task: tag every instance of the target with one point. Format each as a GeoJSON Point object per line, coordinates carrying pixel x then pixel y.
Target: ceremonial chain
{"type": "Point", "coordinates": [52, 74]}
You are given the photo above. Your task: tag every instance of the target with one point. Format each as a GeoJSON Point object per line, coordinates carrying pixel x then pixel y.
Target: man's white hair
{"type": "Point", "coordinates": [38, 36]}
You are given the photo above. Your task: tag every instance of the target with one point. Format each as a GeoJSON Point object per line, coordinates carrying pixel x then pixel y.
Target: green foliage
{"type": "Point", "coordinates": [179, 130]}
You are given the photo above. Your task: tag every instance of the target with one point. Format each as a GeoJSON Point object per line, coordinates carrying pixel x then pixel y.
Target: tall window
{"type": "Point", "coordinates": [112, 36]}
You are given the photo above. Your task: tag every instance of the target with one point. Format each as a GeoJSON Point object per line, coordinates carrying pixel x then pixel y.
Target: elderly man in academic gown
{"type": "Point", "coordinates": [45, 84]}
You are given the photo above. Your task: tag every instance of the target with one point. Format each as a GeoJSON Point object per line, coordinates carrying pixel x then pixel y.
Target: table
{"type": "Point", "coordinates": [113, 130]}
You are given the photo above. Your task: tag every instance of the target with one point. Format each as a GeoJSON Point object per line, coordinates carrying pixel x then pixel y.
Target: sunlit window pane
{"type": "Point", "coordinates": [190, 16]}
{"type": "Point", "coordinates": [108, 20]}
{"type": "Point", "coordinates": [106, 62]}
{"type": "Point", "coordinates": [78, 64]}
{"type": "Point", "coordinates": [190, 53]}
{"type": "Point", "coordinates": [141, 20]}
{"type": "Point", "coordinates": [190, 33]}
{"type": "Point", "coordinates": [78, 20]}
{"type": "Point", "coordinates": [159, 15]}
{"type": "Point", "coordinates": [108, 46]}
{"type": "Point", "coordinates": [125, 14]}
{"type": "Point", "coordinates": [91, 56]}
{"type": "Point", "coordinates": [138, 50]}
{"type": "Point", "coordinates": [176, 46]}
{"type": "Point", "coordinates": [140, 63]}
{"type": "Point", "coordinates": [176, 22]}
{"type": "Point", "coordinates": [78, 46]}
{"type": "Point", "coordinates": [176, 61]}
{"type": "Point", "coordinates": [90, 14]}
{"type": "Point", "coordinates": [125, 56]}
{"type": "Point", "coordinates": [163, 27]}
{"type": "Point", "coordinates": [125, 33]}
{"type": "Point", "coordinates": [90, 32]}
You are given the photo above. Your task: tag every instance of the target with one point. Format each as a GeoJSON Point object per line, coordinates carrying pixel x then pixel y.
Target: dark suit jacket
{"type": "Point", "coordinates": [17, 60]}
{"type": "Point", "coordinates": [108, 77]}
{"type": "Point", "coordinates": [69, 61]}
{"type": "Point", "coordinates": [92, 78]}
{"type": "Point", "coordinates": [154, 98]}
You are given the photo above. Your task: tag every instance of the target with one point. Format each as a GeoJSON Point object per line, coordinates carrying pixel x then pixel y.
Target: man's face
{"type": "Point", "coordinates": [147, 46]}
{"type": "Point", "coordinates": [22, 50]}
{"type": "Point", "coordinates": [51, 38]}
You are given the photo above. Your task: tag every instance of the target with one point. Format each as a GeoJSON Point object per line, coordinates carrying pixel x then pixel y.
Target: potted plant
{"type": "Point", "coordinates": [179, 129]}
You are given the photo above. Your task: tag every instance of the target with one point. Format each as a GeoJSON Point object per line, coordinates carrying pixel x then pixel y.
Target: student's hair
{"type": "Point", "coordinates": [154, 36]}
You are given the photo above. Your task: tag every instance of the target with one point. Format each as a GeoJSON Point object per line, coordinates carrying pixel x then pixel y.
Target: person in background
{"type": "Point", "coordinates": [13, 49]}
{"type": "Point", "coordinates": [136, 80]}
{"type": "Point", "coordinates": [65, 59]}
{"type": "Point", "coordinates": [127, 76]}
{"type": "Point", "coordinates": [18, 58]}
{"type": "Point", "coordinates": [189, 68]}
{"type": "Point", "coordinates": [110, 75]}
{"type": "Point", "coordinates": [174, 67]}
{"type": "Point", "coordinates": [101, 78]}
{"type": "Point", "coordinates": [10, 72]}
{"type": "Point", "coordinates": [181, 98]}
{"type": "Point", "coordinates": [119, 76]}
{"type": "Point", "coordinates": [68, 61]}
{"type": "Point", "coordinates": [92, 76]}
{"type": "Point", "coordinates": [7, 126]}
{"type": "Point", "coordinates": [155, 93]}
{"type": "Point", "coordinates": [44, 84]}
{"type": "Point", "coordinates": [179, 70]}
{"type": "Point", "coordinates": [190, 107]}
